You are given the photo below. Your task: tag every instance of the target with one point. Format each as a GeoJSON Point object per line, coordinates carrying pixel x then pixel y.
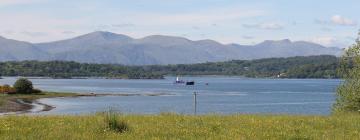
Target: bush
{"type": "Point", "coordinates": [113, 123]}
{"type": "Point", "coordinates": [348, 93]}
{"type": "Point", "coordinates": [23, 86]}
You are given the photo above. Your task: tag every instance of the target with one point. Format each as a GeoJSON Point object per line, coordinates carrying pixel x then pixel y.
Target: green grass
{"type": "Point", "coordinates": [171, 126]}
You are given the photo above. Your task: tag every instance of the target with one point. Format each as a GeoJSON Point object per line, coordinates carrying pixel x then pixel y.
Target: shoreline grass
{"type": "Point", "coordinates": [173, 126]}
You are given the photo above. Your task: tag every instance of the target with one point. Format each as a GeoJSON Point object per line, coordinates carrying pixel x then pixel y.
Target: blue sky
{"type": "Point", "coordinates": [328, 22]}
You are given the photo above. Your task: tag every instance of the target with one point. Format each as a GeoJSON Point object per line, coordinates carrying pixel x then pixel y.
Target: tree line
{"type": "Point", "coordinates": [323, 66]}
{"type": "Point", "coordinates": [69, 69]}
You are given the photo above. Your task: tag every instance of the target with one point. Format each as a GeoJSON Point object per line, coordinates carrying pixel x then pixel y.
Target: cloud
{"type": "Point", "coordinates": [68, 32]}
{"type": "Point", "coordinates": [123, 20]}
{"type": "Point", "coordinates": [266, 26]}
{"type": "Point", "coordinates": [205, 17]}
{"type": "Point", "coordinates": [328, 41]}
{"type": "Point", "coordinates": [17, 2]}
{"type": "Point", "coordinates": [326, 29]}
{"type": "Point", "coordinates": [112, 27]}
{"type": "Point", "coordinates": [34, 34]}
{"type": "Point", "coordinates": [195, 27]}
{"type": "Point", "coordinates": [123, 25]}
{"type": "Point", "coordinates": [9, 32]}
{"type": "Point", "coordinates": [248, 37]}
{"type": "Point", "coordinates": [322, 22]}
{"type": "Point", "coordinates": [271, 26]}
{"type": "Point", "coordinates": [339, 20]}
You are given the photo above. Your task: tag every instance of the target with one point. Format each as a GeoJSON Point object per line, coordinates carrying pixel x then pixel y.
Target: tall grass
{"type": "Point", "coordinates": [113, 122]}
{"type": "Point", "coordinates": [172, 126]}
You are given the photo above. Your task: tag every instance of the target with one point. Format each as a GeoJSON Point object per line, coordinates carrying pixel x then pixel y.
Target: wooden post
{"type": "Point", "coordinates": [195, 103]}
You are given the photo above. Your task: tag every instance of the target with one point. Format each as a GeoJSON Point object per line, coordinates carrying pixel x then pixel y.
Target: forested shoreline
{"type": "Point", "coordinates": [323, 66]}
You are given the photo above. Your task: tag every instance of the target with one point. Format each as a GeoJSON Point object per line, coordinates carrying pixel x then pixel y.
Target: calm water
{"type": "Point", "coordinates": [225, 95]}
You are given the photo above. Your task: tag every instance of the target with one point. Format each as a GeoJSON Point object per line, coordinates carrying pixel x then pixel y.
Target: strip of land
{"type": "Point", "coordinates": [23, 103]}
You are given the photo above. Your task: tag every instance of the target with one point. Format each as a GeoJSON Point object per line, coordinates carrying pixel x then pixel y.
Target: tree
{"type": "Point", "coordinates": [348, 93]}
{"type": "Point", "coordinates": [23, 86]}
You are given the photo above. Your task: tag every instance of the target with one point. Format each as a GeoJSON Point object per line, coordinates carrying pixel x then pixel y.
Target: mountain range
{"type": "Point", "coordinates": [110, 48]}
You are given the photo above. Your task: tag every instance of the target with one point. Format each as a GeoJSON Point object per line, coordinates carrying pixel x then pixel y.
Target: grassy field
{"type": "Point", "coordinates": [171, 126]}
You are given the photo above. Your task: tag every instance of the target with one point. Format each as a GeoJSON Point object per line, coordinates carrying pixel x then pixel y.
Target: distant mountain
{"type": "Point", "coordinates": [106, 47]}
{"type": "Point", "coordinates": [12, 50]}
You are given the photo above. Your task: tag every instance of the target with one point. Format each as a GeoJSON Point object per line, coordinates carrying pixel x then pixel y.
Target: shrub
{"type": "Point", "coordinates": [348, 93]}
{"type": "Point", "coordinates": [24, 86]}
{"type": "Point", "coordinates": [113, 123]}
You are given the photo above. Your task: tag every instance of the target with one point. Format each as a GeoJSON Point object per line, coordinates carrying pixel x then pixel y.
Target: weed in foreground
{"type": "Point", "coordinates": [113, 123]}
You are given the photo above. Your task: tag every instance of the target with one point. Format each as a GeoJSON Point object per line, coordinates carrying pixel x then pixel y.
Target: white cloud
{"type": "Point", "coordinates": [247, 37]}
{"type": "Point", "coordinates": [328, 41]}
{"type": "Point", "coordinates": [326, 29]}
{"type": "Point", "coordinates": [339, 20]}
{"type": "Point", "coordinates": [138, 23]}
{"type": "Point", "coordinates": [322, 22]}
{"type": "Point", "coordinates": [271, 26]}
{"type": "Point", "coordinates": [68, 32]}
{"type": "Point", "coordinates": [38, 28]}
{"type": "Point", "coordinates": [266, 26]}
{"type": "Point", "coordinates": [34, 34]}
{"type": "Point", "coordinates": [123, 25]}
{"type": "Point", "coordinates": [16, 2]}
{"type": "Point", "coordinates": [206, 17]}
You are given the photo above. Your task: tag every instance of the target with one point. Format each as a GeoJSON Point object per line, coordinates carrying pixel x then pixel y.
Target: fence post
{"type": "Point", "coordinates": [195, 103]}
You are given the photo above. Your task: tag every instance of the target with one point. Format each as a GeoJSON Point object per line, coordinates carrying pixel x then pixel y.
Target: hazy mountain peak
{"type": "Point", "coordinates": [107, 47]}
{"type": "Point", "coordinates": [284, 42]}
{"type": "Point", "coordinates": [209, 42]}
{"type": "Point", "coordinates": [288, 41]}
{"type": "Point", "coordinates": [165, 40]}
{"type": "Point", "coordinates": [105, 36]}
{"type": "Point", "coordinates": [306, 42]}
{"type": "Point", "coordinates": [164, 37]}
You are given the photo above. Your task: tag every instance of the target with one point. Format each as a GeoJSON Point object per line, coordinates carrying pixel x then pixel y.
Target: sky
{"type": "Point", "coordinates": [327, 22]}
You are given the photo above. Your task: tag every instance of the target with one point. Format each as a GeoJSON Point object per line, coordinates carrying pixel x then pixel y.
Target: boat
{"type": "Point", "coordinates": [178, 81]}
{"type": "Point", "coordinates": [190, 83]}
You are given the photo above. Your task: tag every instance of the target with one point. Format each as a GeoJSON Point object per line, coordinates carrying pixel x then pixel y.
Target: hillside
{"type": "Point", "coordinates": [111, 48]}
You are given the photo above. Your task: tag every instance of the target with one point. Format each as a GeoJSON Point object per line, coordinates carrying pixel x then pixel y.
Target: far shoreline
{"type": "Point", "coordinates": [165, 76]}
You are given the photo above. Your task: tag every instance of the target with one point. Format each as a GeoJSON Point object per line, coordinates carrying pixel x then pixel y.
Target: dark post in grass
{"type": "Point", "coordinates": [195, 103]}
